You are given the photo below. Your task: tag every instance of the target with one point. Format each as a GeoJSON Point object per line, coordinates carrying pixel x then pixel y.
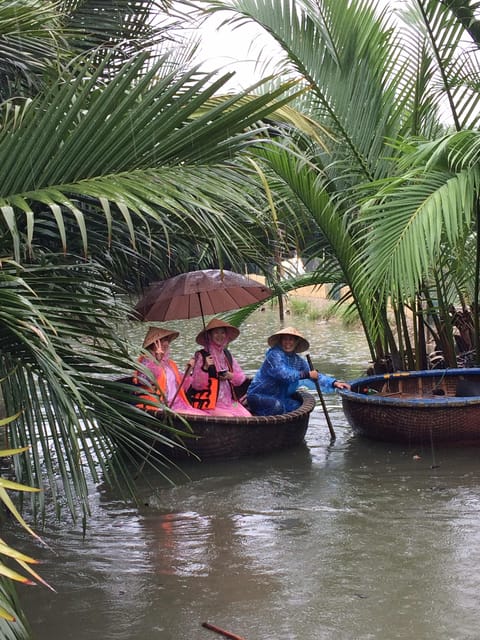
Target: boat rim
{"type": "Point", "coordinates": [307, 406]}
{"type": "Point", "coordinates": [375, 399]}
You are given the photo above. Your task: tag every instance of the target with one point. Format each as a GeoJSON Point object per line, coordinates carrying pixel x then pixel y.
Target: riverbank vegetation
{"type": "Point", "coordinates": [386, 198]}
{"type": "Point", "coordinates": [123, 162]}
{"type": "Point", "coordinates": [305, 309]}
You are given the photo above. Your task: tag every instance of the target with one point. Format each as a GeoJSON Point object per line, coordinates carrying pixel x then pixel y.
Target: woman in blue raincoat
{"type": "Point", "coordinates": [271, 390]}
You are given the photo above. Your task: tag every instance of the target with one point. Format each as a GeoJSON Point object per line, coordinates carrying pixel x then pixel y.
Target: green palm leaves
{"type": "Point", "coordinates": [23, 562]}
{"type": "Point", "coordinates": [115, 146]}
{"type": "Point", "coordinates": [406, 194]}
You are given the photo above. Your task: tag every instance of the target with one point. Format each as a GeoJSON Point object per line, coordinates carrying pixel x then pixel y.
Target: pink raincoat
{"type": "Point", "coordinates": [226, 404]}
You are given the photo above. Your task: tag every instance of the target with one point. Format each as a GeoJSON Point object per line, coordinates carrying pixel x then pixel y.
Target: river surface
{"type": "Point", "coordinates": [353, 540]}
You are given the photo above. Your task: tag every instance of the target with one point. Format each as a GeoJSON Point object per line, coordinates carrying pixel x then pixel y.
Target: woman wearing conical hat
{"type": "Point", "coordinates": [271, 390]}
{"type": "Point", "coordinates": [216, 372]}
{"type": "Point", "coordinates": [159, 375]}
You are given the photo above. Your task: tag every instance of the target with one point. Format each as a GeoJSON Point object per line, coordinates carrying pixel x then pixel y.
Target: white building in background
{"type": "Point", "coordinates": [292, 267]}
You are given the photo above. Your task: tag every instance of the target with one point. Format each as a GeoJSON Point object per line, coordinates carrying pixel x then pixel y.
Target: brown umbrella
{"type": "Point", "coordinates": [198, 293]}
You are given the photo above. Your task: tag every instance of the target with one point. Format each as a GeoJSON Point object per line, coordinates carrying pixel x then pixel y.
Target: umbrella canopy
{"type": "Point", "coordinates": [198, 293]}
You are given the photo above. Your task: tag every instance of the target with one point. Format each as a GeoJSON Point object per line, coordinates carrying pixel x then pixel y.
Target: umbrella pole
{"type": "Point", "coordinates": [201, 309]}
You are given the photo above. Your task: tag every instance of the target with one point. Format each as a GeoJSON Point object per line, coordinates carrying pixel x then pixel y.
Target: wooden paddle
{"type": "Point", "coordinates": [320, 395]}
{"type": "Point", "coordinates": [186, 372]}
{"type": "Point", "coordinates": [223, 632]}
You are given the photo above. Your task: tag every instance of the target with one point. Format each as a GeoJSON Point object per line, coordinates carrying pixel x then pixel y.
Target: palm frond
{"type": "Point", "coordinates": [52, 159]}
{"type": "Point", "coordinates": [59, 366]}
{"type": "Point", "coordinates": [454, 67]}
{"type": "Point", "coordinates": [349, 60]}
{"type": "Point", "coordinates": [13, 625]}
{"type": "Point", "coordinates": [411, 220]}
{"type": "Point", "coordinates": [31, 39]}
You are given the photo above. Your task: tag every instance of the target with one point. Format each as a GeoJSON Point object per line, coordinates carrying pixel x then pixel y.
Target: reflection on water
{"type": "Point", "coordinates": [353, 540]}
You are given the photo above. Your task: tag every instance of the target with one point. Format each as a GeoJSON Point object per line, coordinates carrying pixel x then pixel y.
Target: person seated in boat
{"type": "Point", "coordinates": [216, 373]}
{"type": "Point", "coordinates": [163, 381]}
{"type": "Point", "coordinates": [272, 388]}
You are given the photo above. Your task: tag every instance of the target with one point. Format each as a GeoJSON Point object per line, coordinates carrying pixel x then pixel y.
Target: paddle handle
{"type": "Point", "coordinates": [320, 395]}
{"type": "Point", "coordinates": [187, 371]}
{"type": "Point", "coordinates": [223, 632]}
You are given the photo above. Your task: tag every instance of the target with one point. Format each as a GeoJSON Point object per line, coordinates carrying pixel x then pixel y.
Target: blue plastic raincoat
{"type": "Point", "coordinates": [270, 392]}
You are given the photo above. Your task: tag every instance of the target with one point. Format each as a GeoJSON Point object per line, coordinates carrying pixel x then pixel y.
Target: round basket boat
{"type": "Point", "coordinates": [219, 437]}
{"type": "Point", "coordinates": [434, 406]}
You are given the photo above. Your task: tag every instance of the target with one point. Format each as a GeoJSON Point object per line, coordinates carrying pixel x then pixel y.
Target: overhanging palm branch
{"type": "Point", "coordinates": [72, 141]}
{"type": "Point", "coordinates": [201, 217]}
{"type": "Point", "coordinates": [415, 213]}
{"type": "Point", "coordinates": [60, 360]}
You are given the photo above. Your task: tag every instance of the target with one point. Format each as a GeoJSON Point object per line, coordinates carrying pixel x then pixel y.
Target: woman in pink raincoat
{"type": "Point", "coordinates": [168, 385]}
{"type": "Point", "coordinates": [216, 373]}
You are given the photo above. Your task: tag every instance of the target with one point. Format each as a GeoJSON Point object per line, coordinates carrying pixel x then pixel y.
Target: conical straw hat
{"type": "Point", "coordinates": [156, 333]}
{"type": "Point", "coordinates": [302, 344]}
{"type": "Point", "coordinates": [215, 323]}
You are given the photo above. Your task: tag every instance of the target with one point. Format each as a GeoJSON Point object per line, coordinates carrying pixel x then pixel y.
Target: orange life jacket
{"type": "Point", "coordinates": [156, 392]}
{"type": "Point", "coordinates": [205, 398]}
